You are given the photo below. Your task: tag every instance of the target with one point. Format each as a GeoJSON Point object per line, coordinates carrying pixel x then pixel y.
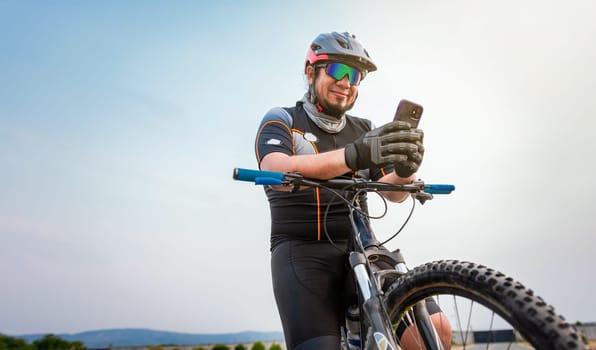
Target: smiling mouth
{"type": "Point", "coordinates": [339, 93]}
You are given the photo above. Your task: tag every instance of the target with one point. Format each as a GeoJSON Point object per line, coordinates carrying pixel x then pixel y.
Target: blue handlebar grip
{"type": "Point", "coordinates": [251, 175]}
{"type": "Point", "coordinates": [267, 181]}
{"type": "Point", "coordinates": [439, 189]}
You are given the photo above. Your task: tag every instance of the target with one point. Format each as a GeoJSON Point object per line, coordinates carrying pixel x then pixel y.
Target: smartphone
{"type": "Point", "coordinates": [408, 111]}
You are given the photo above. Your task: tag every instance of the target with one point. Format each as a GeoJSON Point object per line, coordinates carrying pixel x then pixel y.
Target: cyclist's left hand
{"type": "Point", "coordinates": [405, 168]}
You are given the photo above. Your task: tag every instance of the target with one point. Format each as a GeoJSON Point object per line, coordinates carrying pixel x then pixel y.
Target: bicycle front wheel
{"type": "Point", "coordinates": [483, 306]}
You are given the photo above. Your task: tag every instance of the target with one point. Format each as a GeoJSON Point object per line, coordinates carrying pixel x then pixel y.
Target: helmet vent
{"type": "Point", "coordinates": [343, 44]}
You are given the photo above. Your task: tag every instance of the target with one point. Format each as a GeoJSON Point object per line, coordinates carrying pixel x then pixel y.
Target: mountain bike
{"type": "Point", "coordinates": [482, 305]}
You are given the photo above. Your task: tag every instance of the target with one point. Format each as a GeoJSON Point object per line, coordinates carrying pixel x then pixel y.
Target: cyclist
{"type": "Point", "coordinates": [319, 140]}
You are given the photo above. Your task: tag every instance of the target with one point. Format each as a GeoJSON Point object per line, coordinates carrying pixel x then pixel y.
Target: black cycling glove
{"type": "Point", "coordinates": [406, 168]}
{"type": "Point", "coordinates": [393, 143]}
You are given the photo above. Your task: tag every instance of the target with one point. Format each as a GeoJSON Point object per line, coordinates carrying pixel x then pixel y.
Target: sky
{"type": "Point", "coordinates": [121, 123]}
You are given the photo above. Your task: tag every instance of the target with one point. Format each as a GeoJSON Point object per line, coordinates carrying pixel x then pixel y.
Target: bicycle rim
{"type": "Point", "coordinates": [485, 308]}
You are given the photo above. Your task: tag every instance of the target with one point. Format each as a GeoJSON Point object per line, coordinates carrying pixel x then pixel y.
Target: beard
{"type": "Point", "coordinates": [335, 111]}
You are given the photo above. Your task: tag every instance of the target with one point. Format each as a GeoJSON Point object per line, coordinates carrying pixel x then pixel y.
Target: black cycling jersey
{"type": "Point", "coordinates": [300, 215]}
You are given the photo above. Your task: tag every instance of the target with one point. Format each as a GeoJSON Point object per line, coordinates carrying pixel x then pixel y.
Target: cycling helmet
{"type": "Point", "coordinates": [340, 47]}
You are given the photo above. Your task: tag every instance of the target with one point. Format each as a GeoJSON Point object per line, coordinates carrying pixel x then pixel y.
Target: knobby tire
{"type": "Point", "coordinates": [534, 319]}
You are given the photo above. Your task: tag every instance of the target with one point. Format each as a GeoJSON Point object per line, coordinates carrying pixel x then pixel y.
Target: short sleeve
{"type": "Point", "coordinates": [275, 134]}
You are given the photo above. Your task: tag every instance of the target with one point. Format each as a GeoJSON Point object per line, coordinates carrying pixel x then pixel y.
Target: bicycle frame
{"type": "Point", "coordinates": [367, 251]}
{"type": "Point", "coordinates": [370, 293]}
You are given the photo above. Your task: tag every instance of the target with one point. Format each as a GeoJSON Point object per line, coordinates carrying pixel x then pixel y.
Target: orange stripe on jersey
{"type": "Point", "coordinates": [317, 190]}
{"type": "Point", "coordinates": [261, 131]}
{"type": "Point", "coordinates": [318, 194]}
{"type": "Point", "coordinates": [314, 145]}
{"type": "Point", "coordinates": [383, 171]}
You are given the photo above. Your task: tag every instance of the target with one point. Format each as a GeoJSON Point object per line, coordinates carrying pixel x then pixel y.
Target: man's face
{"type": "Point", "coordinates": [335, 96]}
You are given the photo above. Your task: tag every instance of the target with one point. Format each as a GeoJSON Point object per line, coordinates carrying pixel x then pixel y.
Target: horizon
{"type": "Point", "coordinates": [583, 324]}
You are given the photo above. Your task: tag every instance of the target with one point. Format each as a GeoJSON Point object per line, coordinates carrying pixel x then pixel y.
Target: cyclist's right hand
{"type": "Point", "coordinates": [389, 144]}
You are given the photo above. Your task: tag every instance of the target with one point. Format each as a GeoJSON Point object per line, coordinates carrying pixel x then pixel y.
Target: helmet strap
{"type": "Point", "coordinates": [314, 99]}
{"type": "Point", "coordinates": [312, 93]}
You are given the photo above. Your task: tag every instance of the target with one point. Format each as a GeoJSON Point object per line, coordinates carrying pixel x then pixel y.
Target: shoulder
{"type": "Point", "coordinates": [279, 114]}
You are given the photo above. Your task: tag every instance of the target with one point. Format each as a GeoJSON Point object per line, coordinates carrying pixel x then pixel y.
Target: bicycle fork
{"type": "Point", "coordinates": [375, 311]}
{"type": "Point", "coordinates": [373, 305]}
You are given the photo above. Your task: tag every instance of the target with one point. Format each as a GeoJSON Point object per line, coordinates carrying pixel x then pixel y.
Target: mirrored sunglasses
{"type": "Point", "coordinates": [338, 71]}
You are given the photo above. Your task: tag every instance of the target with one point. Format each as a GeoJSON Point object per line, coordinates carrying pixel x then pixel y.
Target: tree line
{"type": "Point", "coordinates": [48, 342]}
{"type": "Point", "coordinates": [53, 342]}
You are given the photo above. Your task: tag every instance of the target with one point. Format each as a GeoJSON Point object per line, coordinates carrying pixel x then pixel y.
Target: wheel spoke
{"type": "Point", "coordinates": [490, 329]}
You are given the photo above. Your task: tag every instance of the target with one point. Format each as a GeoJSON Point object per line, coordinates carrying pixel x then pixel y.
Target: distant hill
{"type": "Point", "coordinates": [142, 337]}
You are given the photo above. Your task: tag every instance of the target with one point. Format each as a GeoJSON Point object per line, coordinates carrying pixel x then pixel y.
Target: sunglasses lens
{"type": "Point", "coordinates": [339, 70]}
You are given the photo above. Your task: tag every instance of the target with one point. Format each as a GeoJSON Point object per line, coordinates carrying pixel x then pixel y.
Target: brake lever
{"type": "Point", "coordinates": [293, 181]}
{"type": "Point", "coordinates": [422, 197]}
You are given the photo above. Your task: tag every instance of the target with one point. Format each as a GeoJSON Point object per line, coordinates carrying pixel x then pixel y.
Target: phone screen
{"type": "Point", "coordinates": [409, 111]}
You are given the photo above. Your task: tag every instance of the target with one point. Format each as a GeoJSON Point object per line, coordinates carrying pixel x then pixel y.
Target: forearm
{"type": "Point", "coordinates": [394, 179]}
{"type": "Point", "coordinates": [323, 166]}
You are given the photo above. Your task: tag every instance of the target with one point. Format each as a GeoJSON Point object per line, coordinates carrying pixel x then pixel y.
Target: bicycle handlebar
{"type": "Point", "coordinates": [272, 178]}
